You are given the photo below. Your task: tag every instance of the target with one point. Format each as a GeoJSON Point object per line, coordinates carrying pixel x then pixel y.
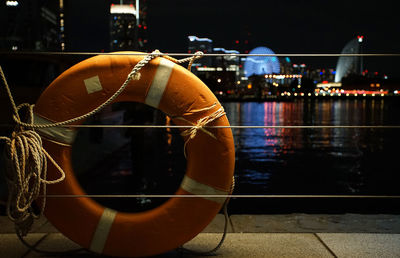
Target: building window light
{"type": "Point", "coordinates": [12, 3]}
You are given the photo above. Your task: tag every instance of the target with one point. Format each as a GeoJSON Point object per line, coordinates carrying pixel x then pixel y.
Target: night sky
{"type": "Point", "coordinates": [285, 26]}
{"type": "Point", "coordinates": [293, 26]}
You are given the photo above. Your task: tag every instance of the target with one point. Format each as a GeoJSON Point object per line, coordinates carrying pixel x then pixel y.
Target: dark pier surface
{"type": "Point", "coordinates": [288, 235]}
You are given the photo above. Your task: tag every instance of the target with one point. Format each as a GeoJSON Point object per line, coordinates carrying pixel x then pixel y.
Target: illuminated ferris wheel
{"type": "Point", "coordinates": [261, 65]}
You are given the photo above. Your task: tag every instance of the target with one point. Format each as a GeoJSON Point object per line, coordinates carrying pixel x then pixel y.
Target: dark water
{"type": "Point", "coordinates": [317, 160]}
{"type": "Point", "coordinates": [273, 161]}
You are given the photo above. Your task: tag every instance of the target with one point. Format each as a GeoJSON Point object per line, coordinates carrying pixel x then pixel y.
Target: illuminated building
{"type": "Point", "coordinates": [350, 64]}
{"type": "Point", "coordinates": [123, 26]}
{"type": "Point", "coordinates": [226, 68]}
{"type": "Point", "coordinates": [30, 25]}
{"type": "Point", "coordinates": [300, 69]}
{"type": "Point", "coordinates": [228, 63]}
{"type": "Point", "coordinates": [128, 28]}
{"type": "Point", "coordinates": [62, 26]}
{"type": "Point", "coordinates": [201, 44]}
{"type": "Point", "coordinates": [261, 65]}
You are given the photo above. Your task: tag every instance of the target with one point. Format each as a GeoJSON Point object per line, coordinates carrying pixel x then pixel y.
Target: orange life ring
{"type": "Point", "coordinates": [210, 161]}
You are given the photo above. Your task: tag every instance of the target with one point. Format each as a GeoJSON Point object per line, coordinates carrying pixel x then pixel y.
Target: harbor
{"type": "Point", "coordinates": [141, 128]}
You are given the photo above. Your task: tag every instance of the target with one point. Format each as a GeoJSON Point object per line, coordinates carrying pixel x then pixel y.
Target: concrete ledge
{"type": "Point", "coordinates": [362, 245]}
{"type": "Point", "coordinates": [262, 245]}
{"type": "Point", "coordinates": [290, 235]}
{"type": "Point", "coordinates": [235, 245]}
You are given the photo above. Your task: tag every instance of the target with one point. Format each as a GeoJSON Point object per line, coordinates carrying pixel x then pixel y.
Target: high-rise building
{"type": "Point", "coordinates": [128, 28]}
{"type": "Point", "coordinates": [201, 44]}
{"type": "Point", "coordinates": [62, 26]}
{"type": "Point", "coordinates": [347, 65]}
{"type": "Point", "coordinates": [30, 25]}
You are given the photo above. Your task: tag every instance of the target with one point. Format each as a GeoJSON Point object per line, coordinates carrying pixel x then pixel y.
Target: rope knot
{"type": "Point", "coordinates": [201, 123]}
{"type": "Point", "coordinates": [136, 76]}
{"type": "Point", "coordinates": [198, 54]}
{"type": "Point", "coordinates": [156, 53]}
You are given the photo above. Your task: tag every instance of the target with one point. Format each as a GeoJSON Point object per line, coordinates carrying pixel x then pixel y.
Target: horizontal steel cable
{"type": "Point", "coordinates": [220, 196]}
{"type": "Point", "coordinates": [230, 126]}
{"type": "Point", "coordinates": [205, 55]}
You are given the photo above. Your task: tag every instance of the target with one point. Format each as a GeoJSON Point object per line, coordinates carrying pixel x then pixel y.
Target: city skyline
{"type": "Point", "coordinates": [286, 27]}
{"type": "Point", "coordinates": [283, 26]}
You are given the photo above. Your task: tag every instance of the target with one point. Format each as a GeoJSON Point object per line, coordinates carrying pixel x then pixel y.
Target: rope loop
{"type": "Point", "coordinates": [190, 59]}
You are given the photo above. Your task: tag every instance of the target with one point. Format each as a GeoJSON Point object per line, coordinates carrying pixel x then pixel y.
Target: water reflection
{"type": "Point", "coordinates": [314, 160]}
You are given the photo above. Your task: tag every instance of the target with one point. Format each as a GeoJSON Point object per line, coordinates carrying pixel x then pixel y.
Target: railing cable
{"type": "Point", "coordinates": [205, 55]}
{"type": "Point", "coordinates": [269, 196]}
{"type": "Point", "coordinates": [231, 126]}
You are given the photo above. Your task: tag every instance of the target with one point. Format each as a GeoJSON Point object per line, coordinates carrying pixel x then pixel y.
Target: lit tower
{"type": "Point", "coordinates": [30, 25]}
{"type": "Point", "coordinates": [360, 40]}
{"type": "Point", "coordinates": [123, 23]}
{"type": "Point", "coordinates": [350, 64]}
{"type": "Point", "coordinates": [128, 28]}
{"type": "Point", "coordinates": [62, 27]}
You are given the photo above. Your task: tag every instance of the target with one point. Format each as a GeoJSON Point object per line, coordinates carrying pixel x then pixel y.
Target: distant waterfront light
{"type": "Point", "coordinates": [123, 9]}
{"type": "Point", "coordinates": [194, 38]}
{"type": "Point", "coordinates": [12, 3]}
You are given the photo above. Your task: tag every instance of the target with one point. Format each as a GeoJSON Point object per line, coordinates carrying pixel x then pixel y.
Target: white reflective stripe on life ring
{"type": "Point", "coordinates": [159, 83]}
{"type": "Point", "coordinates": [57, 133]}
{"type": "Point", "coordinates": [192, 186]}
{"type": "Point", "coordinates": [103, 229]}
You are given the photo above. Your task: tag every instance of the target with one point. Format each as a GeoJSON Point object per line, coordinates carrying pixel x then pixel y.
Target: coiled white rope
{"type": "Point", "coordinates": [26, 177]}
